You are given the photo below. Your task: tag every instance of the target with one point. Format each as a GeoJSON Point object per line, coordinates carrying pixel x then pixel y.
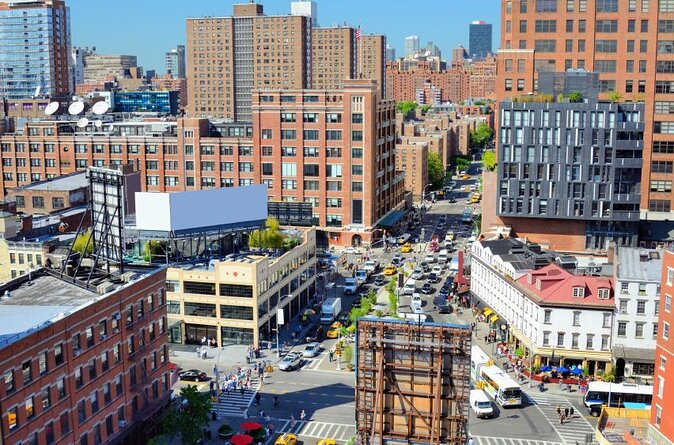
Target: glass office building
{"type": "Point", "coordinates": [34, 49]}
{"type": "Point", "coordinates": [164, 102]}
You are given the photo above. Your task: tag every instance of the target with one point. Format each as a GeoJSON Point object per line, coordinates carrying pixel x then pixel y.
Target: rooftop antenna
{"type": "Point", "coordinates": [76, 108]}
{"type": "Point", "coordinates": [52, 108]}
{"type": "Point", "coordinates": [100, 108]}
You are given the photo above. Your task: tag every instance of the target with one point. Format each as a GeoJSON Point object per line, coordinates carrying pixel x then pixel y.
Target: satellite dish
{"type": "Point", "coordinates": [101, 107]}
{"type": "Point", "coordinates": [76, 108]}
{"type": "Point", "coordinates": [52, 108]}
{"type": "Point", "coordinates": [82, 122]}
{"type": "Point", "coordinates": [98, 124]}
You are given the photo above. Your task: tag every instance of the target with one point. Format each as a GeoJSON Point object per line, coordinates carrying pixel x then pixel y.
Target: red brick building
{"type": "Point", "coordinates": [661, 430]}
{"type": "Point", "coordinates": [82, 364]}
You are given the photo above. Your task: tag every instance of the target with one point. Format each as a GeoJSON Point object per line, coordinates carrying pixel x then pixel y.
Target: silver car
{"type": "Point", "coordinates": [290, 362]}
{"type": "Point", "coordinates": [312, 350]}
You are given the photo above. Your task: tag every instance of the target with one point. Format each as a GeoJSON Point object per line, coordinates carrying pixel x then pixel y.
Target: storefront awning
{"type": "Point", "coordinates": [390, 220]}
{"type": "Point", "coordinates": [494, 318]}
{"type": "Point", "coordinates": [487, 312]}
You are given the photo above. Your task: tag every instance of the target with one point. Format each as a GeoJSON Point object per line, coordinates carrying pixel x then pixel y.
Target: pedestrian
{"type": "Point", "coordinates": [245, 413]}
{"type": "Point", "coordinates": [571, 411]}
{"type": "Point", "coordinates": [292, 420]}
{"type": "Point", "coordinates": [330, 355]}
{"type": "Point", "coordinates": [470, 441]}
{"type": "Point", "coordinates": [559, 410]}
{"type": "Point", "coordinates": [271, 428]}
{"type": "Point", "coordinates": [267, 419]}
{"type": "Point", "coordinates": [257, 398]}
{"type": "Point", "coordinates": [566, 412]}
{"type": "Point", "coordinates": [262, 416]}
{"type": "Point", "coordinates": [303, 416]}
{"type": "Point", "coordinates": [242, 389]}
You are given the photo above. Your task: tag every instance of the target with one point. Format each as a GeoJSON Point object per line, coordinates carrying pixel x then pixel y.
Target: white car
{"type": "Point", "coordinates": [418, 274]}
{"type": "Point", "coordinates": [416, 308]}
{"type": "Point", "coordinates": [416, 299]}
{"type": "Point", "coordinates": [312, 350]}
{"type": "Point", "coordinates": [437, 270]}
{"type": "Point", "coordinates": [430, 258]}
{"type": "Point", "coordinates": [290, 362]}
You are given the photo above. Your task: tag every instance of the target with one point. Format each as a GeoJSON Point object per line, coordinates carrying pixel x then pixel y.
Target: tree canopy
{"type": "Point", "coordinates": [188, 422]}
{"type": "Point", "coordinates": [406, 106]}
{"type": "Point", "coordinates": [82, 243]}
{"type": "Point", "coordinates": [489, 160]}
{"type": "Point", "coordinates": [481, 135]}
{"type": "Point", "coordinates": [269, 238]}
{"type": "Point", "coordinates": [436, 171]}
{"type": "Point", "coordinates": [462, 162]}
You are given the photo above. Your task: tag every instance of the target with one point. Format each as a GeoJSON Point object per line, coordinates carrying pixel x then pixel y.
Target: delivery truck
{"type": "Point", "coordinates": [330, 309]}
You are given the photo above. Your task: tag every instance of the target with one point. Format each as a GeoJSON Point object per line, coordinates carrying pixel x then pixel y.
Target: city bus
{"type": "Point", "coordinates": [500, 386]}
{"type": "Point", "coordinates": [627, 395]}
{"type": "Point", "coordinates": [478, 359]}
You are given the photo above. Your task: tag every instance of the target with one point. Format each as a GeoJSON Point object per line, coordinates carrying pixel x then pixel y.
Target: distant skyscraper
{"type": "Point", "coordinates": [431, 50]}
{"type": "Point", "coordinates": [34, 49]}
{"type": "Point", "coordinates": [307, 8]}
{"type": "Point", "coordinates": [78, 57]}
{"type": "Point", "coordinates": [479, 45]}
{"type": "Point", "coordinates": [390, 53]}
{"type": "Point", "coordinates": [459, 54]}
{"type": "Point", "coordinates": [175, 61]}
{"type": "Point", "coordinates": [411, 46]}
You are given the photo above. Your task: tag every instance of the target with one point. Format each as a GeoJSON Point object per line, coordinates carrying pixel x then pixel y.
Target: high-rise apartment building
{"type": "Point", "coordinates": [34, 49]}
{"type": "Point", "coordinates": [479, 45]}
{"type": "Point", "coordinates": [626, 42]}
{"type": "Point", "coordinates": [333, 53]}
{"type": "Point", "coordinates": [229, 57]}
{"type": "Point", "coordinates": [390, 53]}
{"type": "Point", "coordinates": [411, 46]}
{"type": "Point", "coordinates": [459, 54]}
{"type": "Point", "coordinates": [661, 428]}
{"type": "Point", "coordinates": [372, 59]}
{"type": "Point", "coordinates": [306, 8]}
{"type": "Point", "coordinates": [98, 67]}
{"type": "Point", "coordinates": [78, 57]}
{"type": "Point", "coordinates": [175, 62]}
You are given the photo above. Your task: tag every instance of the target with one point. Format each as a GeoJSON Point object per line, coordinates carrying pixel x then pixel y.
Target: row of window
{"type": "Point", "coordinates": [575, 340]}
{"type": "Point", "coordinates": [331, 118]}
{"type": "Point", "coordinates": [313, 135]}
{"type": "Point", "coordinates": [27, 258]}
{"type": "Point", "coordinates": [603, 26]}
{"type": "Point", "coordinates": [550, 6]}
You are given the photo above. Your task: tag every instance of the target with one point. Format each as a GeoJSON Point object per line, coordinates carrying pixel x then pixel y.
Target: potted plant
{"type": "Point", "coordinates": [258, 435]}
{"type": "Point", "coordinates": [225, 432]}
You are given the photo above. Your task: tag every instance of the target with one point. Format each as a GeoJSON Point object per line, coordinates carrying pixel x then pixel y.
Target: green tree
{"type": "Point", "coordinates": [462, 162]}
{"type": "Point", "coordinates": [269, 238]}
{"type": "Point", "coordinates": [187, 425]}
{"type": "Point", "coordinates": [392, 302]}
{"type": "Point", "coordinates": [83, 243]}
{"type": "Point", "coordinates": [489, 160]}
{"type": "Point", "coordinates": [481, 135]}
{"type": "Point", "coordinates": [615, 96]}
{"type": "Point", "coordinates": [406, 106]}
{"type": "Point", "coordinates": [425, 108]}
{"type": "Point", "coordinates": [436, 171]}
{"type": "Point", "coordinates": [575, 96]}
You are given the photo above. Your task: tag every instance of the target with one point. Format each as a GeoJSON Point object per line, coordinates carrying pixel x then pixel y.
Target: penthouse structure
{"type": "Point", "coordinates": [83, 363]}
{"type": "Point", "coordinates": [626, 42]}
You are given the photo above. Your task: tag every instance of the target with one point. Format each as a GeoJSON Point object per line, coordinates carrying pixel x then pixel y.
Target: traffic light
{"type": "Point", "coordinates": [338, 349]}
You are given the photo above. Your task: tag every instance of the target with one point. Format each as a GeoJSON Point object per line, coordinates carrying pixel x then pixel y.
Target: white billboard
{"type": "Point", "coordinates": [200, 209]}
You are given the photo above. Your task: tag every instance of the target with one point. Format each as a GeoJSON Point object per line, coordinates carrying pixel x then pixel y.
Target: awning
{"type": "Point", "coordinates": [494, 318]}
{"type": "Point", "coordinates": [390, 220]}
{"type": "Point", "coordinates": [487, 312]}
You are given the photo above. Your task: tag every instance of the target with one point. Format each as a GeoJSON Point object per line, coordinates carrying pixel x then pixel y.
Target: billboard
{"type": "Point", "coordinates": [185, 211]}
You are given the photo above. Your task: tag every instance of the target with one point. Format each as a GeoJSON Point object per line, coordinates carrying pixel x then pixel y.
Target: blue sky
{"type": "Point", "coordinates": [148, 28]}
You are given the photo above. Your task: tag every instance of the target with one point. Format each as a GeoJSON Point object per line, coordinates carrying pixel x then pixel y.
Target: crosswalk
{"type": "Point", "coordinates": [485, 440]}
{"type": "Point", "coordinates": [320, 430]}
{"type": "Point", "coordinates": [572, 431]}
{"type": "Point", "coordinates": [234, 404]}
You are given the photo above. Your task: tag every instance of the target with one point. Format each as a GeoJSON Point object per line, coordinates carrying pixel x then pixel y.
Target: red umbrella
{"type": "Point", "coordinates": [250, 426]}
{"type": "Point", "coordinates": [241, 439]}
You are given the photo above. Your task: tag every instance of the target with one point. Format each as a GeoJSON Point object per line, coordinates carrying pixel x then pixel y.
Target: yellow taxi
{"type": "Point", "coordinates": [475, 199]}
{"type": "Point", "coordinates": [333, 330]}
{"type": "Point", "coordinates": [327, 442]}
{"type": "Point", "coordinates": [390, 270]}
{"type": "Point", "coordinates": [466, 176]}
{"type": "Point", "coordinates": [286, 439]}
{"type": "Point", "coordinates": [406, 248]}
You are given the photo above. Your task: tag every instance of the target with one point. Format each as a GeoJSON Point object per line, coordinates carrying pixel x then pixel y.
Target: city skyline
{"type": "Point", "coordinates": [167, 27]}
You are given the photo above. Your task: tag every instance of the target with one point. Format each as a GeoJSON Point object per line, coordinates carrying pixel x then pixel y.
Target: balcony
{"type": "Point", "coordinates": [625, 216]}
{"type": "Point", "coordinates": [626, 198]}
{"type": "Point", "coordinates": [628, 162]}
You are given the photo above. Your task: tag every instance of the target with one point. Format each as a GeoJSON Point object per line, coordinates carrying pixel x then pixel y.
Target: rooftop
{"type": "Point", "coordinates": [555, 286]}
{"type": "Point", "coordinates": [36, 303]}
{"type": "Point", "coordinates": [639, 264]}
{"type": "Point", "coordinates": [69, 182]}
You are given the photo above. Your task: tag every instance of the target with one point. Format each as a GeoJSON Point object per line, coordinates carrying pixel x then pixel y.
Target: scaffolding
{"type": "Point", "coordinates": [412, 382]}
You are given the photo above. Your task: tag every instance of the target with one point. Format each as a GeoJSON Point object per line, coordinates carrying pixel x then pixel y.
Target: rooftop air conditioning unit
{"type": "Point", "coordinates": [105, 287]}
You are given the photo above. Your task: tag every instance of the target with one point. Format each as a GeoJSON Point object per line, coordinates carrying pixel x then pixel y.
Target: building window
{"type": "Point", "coordinates": [663, 363]}
{"type": "Point", "coordinates": [38, 202]}
{"type": "Point", "coordinates": [658, 415]}
{"type": "Point", "coordinates": [576, 318]}
{"type": "Point", "coordinates": [560, 339]}
{"type": "Point", "coordinates": [607, 320]}
{"type": "Point", "coordinates": [639, 331]}
{"type": "Point", "coordinates": [661, 386]}
{"type": "Point", "coordinates": [574, 340]}
{"type": "Point", "coordinates": [27, 372]}
{"type": "Point", "coordinates": [604, 342]}
{"type": "Point", "coordinates": [622, 328]}
{"type": "Point", "coordinates": [579, 292]}
{"type": "Point", "coordinates": [641, 307]}
{"type": "Point", "coordinates": [622, 307]}
{"type": "Point", "coordinates": [665, 330]}
{"type": "Point", "coordinates": [668, 303]}
{"type": "Point", "coordinates": [589, 343]}
{"type": "Point", "coordinates": [30, 407]}
{"type": "Point", "coordinates": [546, 338]}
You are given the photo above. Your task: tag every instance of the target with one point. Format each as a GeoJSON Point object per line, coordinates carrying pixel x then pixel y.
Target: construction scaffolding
{"type": "Point", "coordinates": [412, 382]}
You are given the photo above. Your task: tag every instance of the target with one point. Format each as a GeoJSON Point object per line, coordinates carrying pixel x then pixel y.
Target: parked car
{"type": "Point", "coordinates": [290, 362]}
{"type": "Point", "coordinates": [356, 301]}
{"type": "Point", "coordinates": [193, 375]}
{"type": "Point", "coordinates": [427, 288]}
{"type": "Point", "coordinates": [433, 278]}
{"type": "Point", "coordinates": [379, 280]}
{"type": "Point", "coordinates": [397, 259]}
{"type": "Point", "coordinates": [437, 269]}
{"type": "Point", "coordinates": [445, 308]}
{"type": "Point", "coordinates": [418, 273]}
{"type": "Point", "coordinates": [416, 298]}
{"type": "Point", "coordinates": [312, 350]}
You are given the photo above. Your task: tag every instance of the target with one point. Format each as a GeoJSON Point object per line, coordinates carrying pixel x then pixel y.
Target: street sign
{"type": "Point", "coordinates": [279, 316]}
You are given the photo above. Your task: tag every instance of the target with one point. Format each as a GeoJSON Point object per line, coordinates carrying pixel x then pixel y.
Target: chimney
{"type": "Point", "coordinates": [610, 252]}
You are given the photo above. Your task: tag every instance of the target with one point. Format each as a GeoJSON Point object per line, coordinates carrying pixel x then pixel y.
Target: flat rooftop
{"type": "Point", "coordinates": [639, 264]}
{"type": "Point", "coordinates": [64, 183]}
{"type": "Point", "coordinates": [37, 303]}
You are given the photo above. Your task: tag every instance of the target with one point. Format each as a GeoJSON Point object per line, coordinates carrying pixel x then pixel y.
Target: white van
{"type": "Point", "coordinates": [416, 298]}
{"type": "Point", "coordinates": [443, 256]}
{"type": "Point", "coordinates": [480, 403]}
{"type": "Point", "coordinates": [410, 287]}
